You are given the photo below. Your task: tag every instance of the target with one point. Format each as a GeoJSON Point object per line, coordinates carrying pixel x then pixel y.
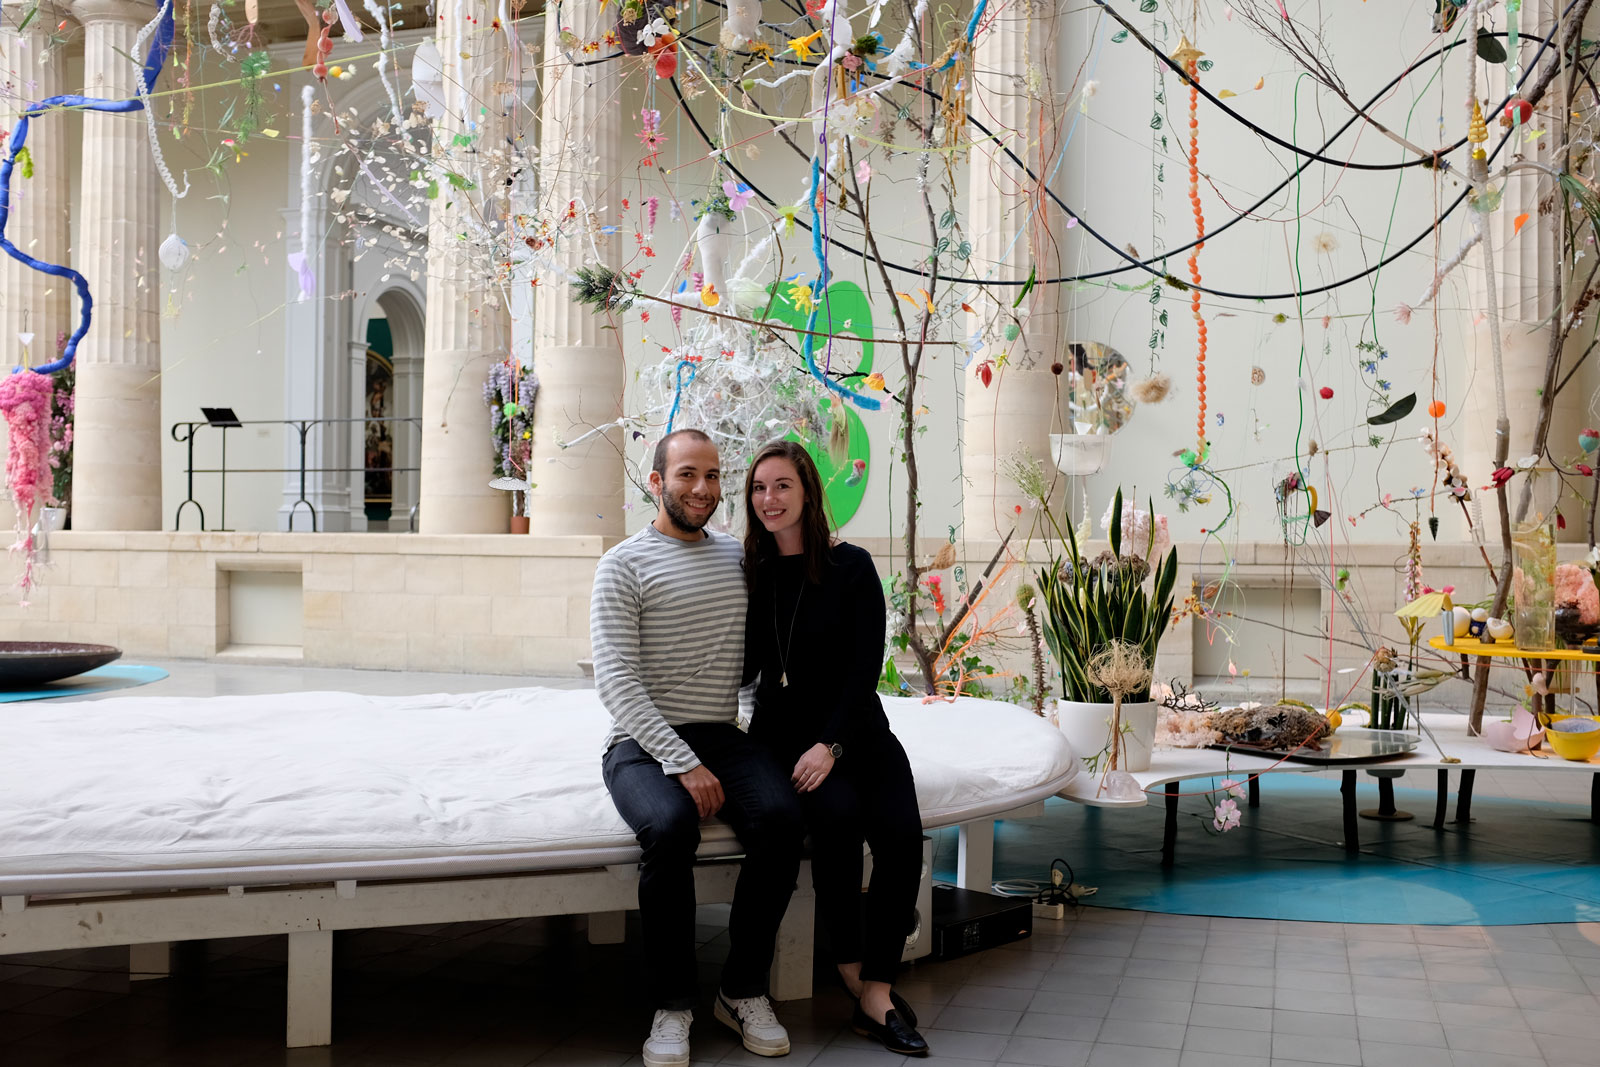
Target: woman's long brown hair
{"type": "Point", "coordinates": [816, 534]}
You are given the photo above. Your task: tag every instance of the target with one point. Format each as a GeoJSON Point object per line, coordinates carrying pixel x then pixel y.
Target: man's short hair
{"type": "Point", "coordinates": [659, 462]}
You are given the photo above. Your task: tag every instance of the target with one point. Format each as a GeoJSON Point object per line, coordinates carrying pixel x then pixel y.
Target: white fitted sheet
{"type": "Point", "coordinates": [144, 792]}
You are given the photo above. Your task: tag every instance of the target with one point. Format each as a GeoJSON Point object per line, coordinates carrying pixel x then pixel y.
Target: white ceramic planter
{"type": "Point", "coordinates": [1087, 728]}
{"type": "Point", "coordinates": [1080, 454]}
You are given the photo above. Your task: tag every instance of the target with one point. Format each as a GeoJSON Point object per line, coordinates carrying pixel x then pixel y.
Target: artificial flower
{"type": "Point", "coordinates": [1232, 788]}
{"type": "Point", "coordinates": [652, 31]}
{"type": "Point", "coordinates": [875, 381]}
{"type": "Point", "coordinates": [801, 46]}
{"type": "Point", "coordinates": [1227, 816]}
{"type": "Point", "coordinates": [800, 296]}
{"type": "Point", "coordinates": [739, 194]}
{"type": "Point", "coordinates": [710, 297]}
{"type": "Point", "coordinates": [1502, 476]}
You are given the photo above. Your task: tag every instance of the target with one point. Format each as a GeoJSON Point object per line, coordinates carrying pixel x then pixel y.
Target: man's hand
{"type": "Point", "coordinates": [704, 787]}
{"type": "Point", "coordinates": [813, 768]}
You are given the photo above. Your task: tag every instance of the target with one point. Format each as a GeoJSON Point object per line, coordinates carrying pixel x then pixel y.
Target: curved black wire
{"type": "Point", "coordinates": [1147, 265]}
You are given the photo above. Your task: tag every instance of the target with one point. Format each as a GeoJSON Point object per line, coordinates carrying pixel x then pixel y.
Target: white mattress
{"type": "Point", "coordinates": [139, 793]}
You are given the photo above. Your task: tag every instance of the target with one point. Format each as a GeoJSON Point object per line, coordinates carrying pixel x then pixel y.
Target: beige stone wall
{"type": "Point", "coordinates": [504, 604]}
{"type": "Point", "coordinates": [492, 604]}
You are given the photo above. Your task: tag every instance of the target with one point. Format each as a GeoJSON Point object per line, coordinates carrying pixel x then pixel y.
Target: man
{"type": "Point", "coordinates": [667, 624]}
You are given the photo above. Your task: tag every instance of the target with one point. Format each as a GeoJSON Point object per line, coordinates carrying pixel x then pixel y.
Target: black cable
{"type": "Point", "coordinates": [1132, 262]}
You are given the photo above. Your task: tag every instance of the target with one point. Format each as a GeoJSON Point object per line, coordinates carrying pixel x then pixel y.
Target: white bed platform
{"type": "Point", "coordinates": [145, 821]}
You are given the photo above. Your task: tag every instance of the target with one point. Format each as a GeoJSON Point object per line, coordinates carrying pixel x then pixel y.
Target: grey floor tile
{"type": "Point", "coordinates": [1563, 1024]}
{"type": "Point", "coordinates": [1231, 1042]}
{"type": "Point", "coordinates": [1473, 993]}
{"type": "Point", "coordinates": [1060, 1027]}
{"type": "Point", "coordinates": [1507, 1042]}
{"type": "Point", "coordinates": [1313, 1001]}
{"type": "Point", "coordinates": [1311, 1024]}
{"type": "Point", "coordinates": [978, 1020]}
{"type": "Point", "coordinates": [965, 1045]}
{"type": "Point", "coordinates": [1157, 989]}
{"type": "Point", "coordinates": [1150, 1011]}
{"type": "Point", "coordinates": [1192, 1058]}
{"type": "Point", "coordinates": [1104, 1055]}
{"type": "Point", "coordinates": [1400, 1031]}
{"type": "Point", "coordinates": [1233, 996]}
{"type": "Point", "coordinates": [1172, 970]}
{"type": "Point", "coordinates": [1143, 1034]}
{"type": "Point", "coordinates": [1231, 1017]}
{"type": "Point", "coordinates": [1093, 1007]}
{"type": "Point", "coordinates": [1495, 1059]}
{"type": "Point", "coordinates": [1046, 1051]}
{"type": "Point", "coordinates": [1379, 1054]}
{"type": "Point", "coordinates": [1314, 981]}
{"type": "Point", "coordinates": [1395, 1008]}
{"type": "Point", "coordinates": [1316, 1049]}
{"type": "Point", "coordinates": [985, 996]}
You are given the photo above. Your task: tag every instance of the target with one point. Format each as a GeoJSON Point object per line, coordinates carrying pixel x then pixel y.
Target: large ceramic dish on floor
{"type": "Point", "coordinates": [30, 663]}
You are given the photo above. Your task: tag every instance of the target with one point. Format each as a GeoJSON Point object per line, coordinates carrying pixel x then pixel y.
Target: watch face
{"type": "Point", "coordinates": [836, 750]}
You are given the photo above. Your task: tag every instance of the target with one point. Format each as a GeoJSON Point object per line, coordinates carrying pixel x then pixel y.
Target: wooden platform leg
{"type": "Point", "coordinates": [1352, 830]}
{"type": "Point", "coordinates": [153, 960]}
{"type": "Point", "coordinates": [1255, 791]}
{"type": "Point", "coordinates": [975, 855]}
{"type": "Point", "coordinates": [310, 988]}
{"type": "Point", "coordinates": [1443, 802]}
{"type": "Point", "coordinates": [1594, 797]}
{"type": "Point", "coordinates": [791, 963]}
{"type": "Point", "coordinates": [1464, 797]}
{"type": "Point", "coordinates": [1169, 834]}
{"type": "Point", "coordinates": [607, 927]}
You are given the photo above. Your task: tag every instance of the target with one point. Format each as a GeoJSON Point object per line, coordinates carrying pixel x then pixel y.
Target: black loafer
{"type": "Point", "coordinates": [907, 1014]}
{"type": "Point", "coordinates": [893, 1033]}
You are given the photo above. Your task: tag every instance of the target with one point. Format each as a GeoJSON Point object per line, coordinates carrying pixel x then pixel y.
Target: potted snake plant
{"type": "Point", "coordinates": [1118, 595]}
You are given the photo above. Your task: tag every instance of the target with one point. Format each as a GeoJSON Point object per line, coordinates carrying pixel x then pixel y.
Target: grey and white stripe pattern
{"type": "Point", "coordinates": [667, 623]}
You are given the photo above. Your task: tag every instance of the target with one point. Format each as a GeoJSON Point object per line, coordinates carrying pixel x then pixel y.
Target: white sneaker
{"type": "Point", "coordinates": [753, 1019]}
{"type": "Point", "coordinates": [668, 1043]}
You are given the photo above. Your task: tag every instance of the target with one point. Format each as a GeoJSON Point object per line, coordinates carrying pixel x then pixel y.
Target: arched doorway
{"type": "Point", "coordinates": [391, 407]}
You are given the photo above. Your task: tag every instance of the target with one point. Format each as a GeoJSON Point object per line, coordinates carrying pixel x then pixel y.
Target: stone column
{"type": "Point", "coordinates": [580, 366]}
{"type": "Point", "coordinates": [468, 322]}
{"type": "Point", "coordinates": [31, 301]}
{"type": "Point", "coordinates": [116, 482]}
{"type": "Point", "coordinates": [1525, 281]}
{"type": "Point", "coordinates": [1016, 411]}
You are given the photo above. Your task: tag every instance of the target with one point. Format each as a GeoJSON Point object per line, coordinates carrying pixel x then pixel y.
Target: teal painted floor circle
{"type": "Point", "coordinates": [1519, 861]}
{"type": "Point", "coordinates": [100, 680]}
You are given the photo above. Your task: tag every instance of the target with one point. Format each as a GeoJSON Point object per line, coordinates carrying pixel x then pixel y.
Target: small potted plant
{"type": "Point", "coordinates": [1089, 604]}
{"type": "Point", "coordinates": [510, 401]}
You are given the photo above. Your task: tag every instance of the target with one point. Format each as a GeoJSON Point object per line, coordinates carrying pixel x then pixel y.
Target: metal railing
{"type": "Point", "coordinates": [184, 433]}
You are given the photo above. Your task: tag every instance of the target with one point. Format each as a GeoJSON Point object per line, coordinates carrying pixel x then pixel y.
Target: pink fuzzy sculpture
{"type": "Point", "coordinates": [25, 402]}
{"type": "Point", "coordinates": [1575, 587]}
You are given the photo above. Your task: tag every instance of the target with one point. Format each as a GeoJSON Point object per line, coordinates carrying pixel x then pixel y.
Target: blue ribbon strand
{"type": "Point", "coordinates": [19, 136]}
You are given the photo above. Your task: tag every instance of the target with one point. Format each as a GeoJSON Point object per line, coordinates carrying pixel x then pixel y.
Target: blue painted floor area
{"type": "Point", "coordinates": [1518, 862]}
{"type": "Point", "coordinates": [100, 680]}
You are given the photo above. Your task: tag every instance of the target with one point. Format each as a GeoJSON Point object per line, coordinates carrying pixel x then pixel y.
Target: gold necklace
{"type": "Point", "coordinates": [783, 655]}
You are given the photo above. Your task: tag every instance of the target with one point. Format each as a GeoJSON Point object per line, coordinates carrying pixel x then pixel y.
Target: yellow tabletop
{"type": "Point", "coordinates": [1471, 646]}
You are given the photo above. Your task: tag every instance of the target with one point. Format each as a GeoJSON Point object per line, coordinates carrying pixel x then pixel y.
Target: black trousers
{"type": "Point", "coordinates": [762, 809]}
{"type": "Point", "coordinates": [869, 796]}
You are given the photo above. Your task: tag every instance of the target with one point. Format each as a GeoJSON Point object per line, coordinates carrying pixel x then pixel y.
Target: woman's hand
{"type": "Point", "coordinates": [813, 768]}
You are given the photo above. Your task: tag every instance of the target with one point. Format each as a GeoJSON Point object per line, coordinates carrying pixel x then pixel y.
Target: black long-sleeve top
{"type": "Point", "coordinates": [832, 660]}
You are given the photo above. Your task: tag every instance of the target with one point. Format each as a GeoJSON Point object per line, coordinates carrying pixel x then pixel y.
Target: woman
{"type": "Point", "coordinates": [814, 633]}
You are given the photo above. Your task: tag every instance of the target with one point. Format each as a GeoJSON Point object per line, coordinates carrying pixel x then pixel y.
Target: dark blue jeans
{"type": "Point", "coordinates": [762, 809]}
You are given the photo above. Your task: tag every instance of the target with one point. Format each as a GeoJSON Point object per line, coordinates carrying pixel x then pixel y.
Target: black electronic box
{"type": "Point", "coordinates": [964, 921]}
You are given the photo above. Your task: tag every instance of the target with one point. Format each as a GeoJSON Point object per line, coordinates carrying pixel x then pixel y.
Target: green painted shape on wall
{"type": "Point", "coordinates": [843, 302]}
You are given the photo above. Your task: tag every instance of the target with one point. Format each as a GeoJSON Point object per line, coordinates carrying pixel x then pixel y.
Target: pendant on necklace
{"type": "Point", "coordinates": [783, 680]}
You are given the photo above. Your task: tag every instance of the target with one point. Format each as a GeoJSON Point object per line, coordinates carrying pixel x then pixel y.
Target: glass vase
{"type": "Point", "coordinates": [1533, 583]}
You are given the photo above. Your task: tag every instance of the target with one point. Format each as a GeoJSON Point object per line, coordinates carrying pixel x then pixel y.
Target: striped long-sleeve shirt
{"type": "Point", "coordinates": [666, 620]}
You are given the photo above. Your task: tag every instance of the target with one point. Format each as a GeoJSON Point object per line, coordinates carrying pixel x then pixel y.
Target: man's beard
{"type": "Point", "coordinates": [679, 514]}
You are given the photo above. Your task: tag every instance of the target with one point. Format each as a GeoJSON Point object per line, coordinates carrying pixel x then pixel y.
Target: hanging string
{"type": "Point", "coordinates": [156, 59]}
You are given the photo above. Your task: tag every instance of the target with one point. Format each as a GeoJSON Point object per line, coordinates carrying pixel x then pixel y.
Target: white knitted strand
{"type": "Point", "coordinates": [139, 42]}
{"type": "Point", "coordinates": [386, 46]}
{"type": "Point", "coordinates": [1491, 283]}
{"type": "Point", "coordinates": [307, 166]}
{"type": "Point", "coordinates": [1446, 267]}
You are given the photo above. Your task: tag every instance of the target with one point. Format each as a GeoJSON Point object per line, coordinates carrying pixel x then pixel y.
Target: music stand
{"type": "Point", "coordinates": [223, 419]}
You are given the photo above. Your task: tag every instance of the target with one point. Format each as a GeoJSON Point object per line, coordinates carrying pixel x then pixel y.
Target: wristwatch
{"type": "Point", "coordinates": [836, 750]}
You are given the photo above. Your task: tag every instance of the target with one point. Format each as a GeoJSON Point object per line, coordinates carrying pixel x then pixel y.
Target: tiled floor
{"type": "Point", "coordinates": [1102, 988]}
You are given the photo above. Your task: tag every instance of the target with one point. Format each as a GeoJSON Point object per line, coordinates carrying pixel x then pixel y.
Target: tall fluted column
{"type": "Point", "coordinates": [580, 366]}
{"type": "Point", "coordinates": [1526, 273]}
{"type": "Point", "coordinates": [31, 301]}
{"type": "Point", "coordinates": [468, 323]}
{"type": "Point", "coordinates": [116, 470]}
{"type": "Point", "coordinates": [1016, 411]}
